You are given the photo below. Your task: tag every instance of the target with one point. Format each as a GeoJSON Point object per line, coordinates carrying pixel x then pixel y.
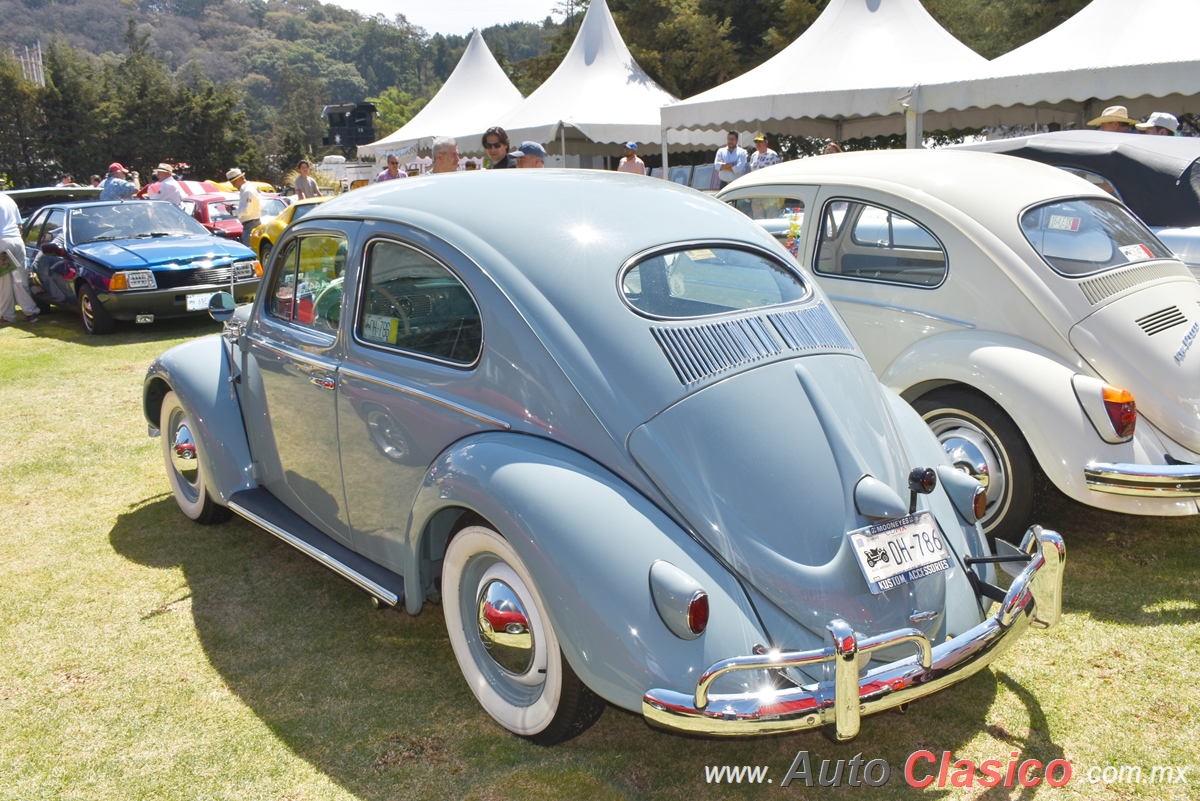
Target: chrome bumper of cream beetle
{"type": "Point", "coordinates": [1146, 480]}
{"type": "Point", "coordinates": [1033, 599]}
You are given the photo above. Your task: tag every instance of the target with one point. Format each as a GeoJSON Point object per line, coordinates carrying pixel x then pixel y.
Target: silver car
{"type": "Point", "coordinates": [619, 435]}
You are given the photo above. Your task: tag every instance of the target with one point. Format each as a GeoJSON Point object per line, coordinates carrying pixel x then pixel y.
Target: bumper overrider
{"type": "Point", "coordinates": [1033, 599]}
{"type": "Point", "coordinates": [1145, 480]}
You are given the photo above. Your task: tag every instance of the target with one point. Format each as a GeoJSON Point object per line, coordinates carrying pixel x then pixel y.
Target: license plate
{"type": "Point", "coordinates": [899, 552]}
{"type": "Point", "coordinates": [199, 302]}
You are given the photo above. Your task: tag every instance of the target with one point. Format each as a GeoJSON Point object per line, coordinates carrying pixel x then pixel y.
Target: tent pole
{"type": "Point", "coordinates": [562, 133]}
{"type": "Point", "coordinates": [664, 149]}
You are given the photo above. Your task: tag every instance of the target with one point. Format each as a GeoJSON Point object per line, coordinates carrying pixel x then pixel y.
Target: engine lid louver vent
{"type": "Point", "coordinates": [1109, 284]}
{"type": "Point", "coordinates": [700, 351]}
{"type": "Point", "coordinates": [1161, 320]}
{"type": "Point", "coordinates": [813, 327]}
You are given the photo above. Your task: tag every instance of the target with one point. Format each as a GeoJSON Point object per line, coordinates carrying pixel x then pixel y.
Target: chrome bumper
{"type": "Point", "coordinates": [1034, 598]}
{"type": "Point", "coordinates": [1147, 480]}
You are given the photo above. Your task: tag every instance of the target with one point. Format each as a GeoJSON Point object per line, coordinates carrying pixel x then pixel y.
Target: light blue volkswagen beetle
{"type": "Point", "coordinates": [620, 435]}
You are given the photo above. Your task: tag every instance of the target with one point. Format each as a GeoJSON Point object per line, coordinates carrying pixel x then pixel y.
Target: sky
{"type": "Point", "coordinates": [454, 16]}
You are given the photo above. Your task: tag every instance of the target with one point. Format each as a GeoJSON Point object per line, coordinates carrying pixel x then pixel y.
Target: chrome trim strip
{"type": "Point", "coordinates": [1155, 480]}
{"type": "Point", "coordinates": [350, 372]}
{"type": "Point", "coordinates": [362, 581]}
{"type": "Point", "coordinates": [288, 353]}
{"type": "Point", "coordinates": [890, 307]}
{"type": "Point", "coordinates": [1033, 599]}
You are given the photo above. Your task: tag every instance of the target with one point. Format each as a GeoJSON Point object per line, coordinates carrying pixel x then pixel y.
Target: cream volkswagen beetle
{"type": "Point", "coordinates": [1029, 317]}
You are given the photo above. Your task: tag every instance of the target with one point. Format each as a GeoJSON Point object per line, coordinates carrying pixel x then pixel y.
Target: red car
{"type": "Point", "coordinates": [215, 212]}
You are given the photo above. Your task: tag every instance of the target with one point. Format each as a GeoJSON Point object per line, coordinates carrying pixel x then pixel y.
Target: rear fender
{"type": "Point", "coordinates": [198, 373]}
{"type": "Point", "coordinates": [589, 540]}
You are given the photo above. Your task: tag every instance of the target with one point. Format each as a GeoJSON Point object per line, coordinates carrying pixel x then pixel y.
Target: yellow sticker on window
{"type": "Point", "coordinates": [700, 255]}
{"type": "Point", "coordinates": [378, 328]}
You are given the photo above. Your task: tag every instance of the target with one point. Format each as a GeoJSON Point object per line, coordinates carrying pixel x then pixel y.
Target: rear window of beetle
{"type": "Point", "coordinates": [697, 281]}
{"type": "Point", "coordinates": [1085, 236]}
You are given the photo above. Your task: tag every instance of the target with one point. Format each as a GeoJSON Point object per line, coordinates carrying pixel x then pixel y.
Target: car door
{"type": "Point", "coordinates": [409, 385]}
{"type": "Point", "coordinates": [884, 269]}
{"type": "Point", "coordinates": [291, 375]}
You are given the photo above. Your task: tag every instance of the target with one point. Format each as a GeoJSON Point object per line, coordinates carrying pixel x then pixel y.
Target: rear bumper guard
{"type": "Point", "coordinates": [1033, 599]}
{"type": "Point", "coordinates": [1145, 480]}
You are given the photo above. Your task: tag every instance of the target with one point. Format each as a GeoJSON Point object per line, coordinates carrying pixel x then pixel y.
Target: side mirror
{"type": "Point", "coordinates": [221, 306]}
{"type": "Point", "coordinates": [51, 249]}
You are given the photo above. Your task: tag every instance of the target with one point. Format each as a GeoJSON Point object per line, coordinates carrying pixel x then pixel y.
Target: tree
{"type": "Point", "coordinates": [24, 160]}
{"type": "Point", "coordinates": [396, 107]}
{"type": "Point", "coordinates": [682, 48]}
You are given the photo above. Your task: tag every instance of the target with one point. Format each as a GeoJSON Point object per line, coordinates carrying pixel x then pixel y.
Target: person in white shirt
{"type": "Point", "coordinates": [249, 208]}
{"type": "Point", "coordinates": [731, 159]}
{"type": "Point", "coordinates": [168, 188]}
{"type": "Point", "coordinates": [763, 156]}
{"type": "Point", "coordinates": [14, 283]}
{"type": "Point", "coordinates": [631, 162]}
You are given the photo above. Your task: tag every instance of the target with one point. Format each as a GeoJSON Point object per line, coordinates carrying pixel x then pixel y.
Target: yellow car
{"type": "Point", "coordinates": [264, 237]}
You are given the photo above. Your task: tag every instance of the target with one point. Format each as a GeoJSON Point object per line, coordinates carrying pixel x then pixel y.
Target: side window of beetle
{"type": "Point", "coordinates": [413, 303]}
{"type": "Point", "coordinates": [33, 228]}
{"type": "Point", "coordinates": [307, 287]}
{"type": "Point", "coordinates": [859, 240]}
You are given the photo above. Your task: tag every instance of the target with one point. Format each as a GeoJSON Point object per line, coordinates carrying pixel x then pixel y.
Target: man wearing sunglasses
{"type": "Point", "coordinates": [495, 142]}
{"type": "Point", "coordinates": [393, 170]}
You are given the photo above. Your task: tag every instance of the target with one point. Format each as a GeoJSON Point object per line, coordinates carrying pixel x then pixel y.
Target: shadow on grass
{"type": "Point", "coordinates": [375, 700]}
{"type": "Point", "coordinates": [63, 323]}
{"type": "Point", "coordinates": [1125, 568]}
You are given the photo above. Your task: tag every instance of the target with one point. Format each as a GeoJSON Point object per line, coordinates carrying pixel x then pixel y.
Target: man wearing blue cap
{"type": "Point", "coordinates": [530, 154]}
{"type": "Point", "coordinates": [631, 162]}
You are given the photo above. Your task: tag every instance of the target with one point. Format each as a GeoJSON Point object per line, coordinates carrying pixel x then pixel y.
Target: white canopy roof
{"type": "Point", "coordinates": [852, 73]}
{"type": "Point", "coordinates": [1112, 51]}
{"type": "Point", "coordinates": [473, 98]}
{"type": "Point", "coordinates": [599, 91]}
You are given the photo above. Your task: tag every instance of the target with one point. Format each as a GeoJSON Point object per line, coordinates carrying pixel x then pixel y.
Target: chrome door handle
{"type": "Point", "coordinates": [324, 382]}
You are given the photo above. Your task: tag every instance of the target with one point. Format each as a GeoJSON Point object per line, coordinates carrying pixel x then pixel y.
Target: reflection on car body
{"type": "Point", "coordinates": [635, 455]}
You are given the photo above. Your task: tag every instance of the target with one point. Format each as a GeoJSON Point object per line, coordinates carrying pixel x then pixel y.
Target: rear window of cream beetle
{"type": "Point", "coordinates": [414, 304]}
{"type": "Point", "coordinates": [1084, 236]}
{"type": "Point", "coordinates": [697, 281]}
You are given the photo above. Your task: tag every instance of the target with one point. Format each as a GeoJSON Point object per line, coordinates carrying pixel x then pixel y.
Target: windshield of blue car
{"type": "Point", "coordinates": [132, 220]}
{"type": "Point", "coordinates": [1089, 235]}
{"type": "Point", "coordinates": [696, 281]}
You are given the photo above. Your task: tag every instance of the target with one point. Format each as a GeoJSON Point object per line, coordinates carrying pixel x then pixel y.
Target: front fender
{"type": "Point", "coordinates": [589, 540]}
{"type": "Point", "coordinates": [1033, 386]}
{"type": "Point", "coordinates": [198, 373]}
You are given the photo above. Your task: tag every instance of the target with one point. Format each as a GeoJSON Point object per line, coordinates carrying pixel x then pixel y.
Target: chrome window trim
{"type": "Point", "coordinates": [770, 255]}
{"type": "Point", "coordinates": [363, 267]}
{"type": "Point", "coordinates": [351, 372]}
{"type": "Point", "coordinates": [840, 277]}
{"type": "Point", "coordinates": [289, 353]}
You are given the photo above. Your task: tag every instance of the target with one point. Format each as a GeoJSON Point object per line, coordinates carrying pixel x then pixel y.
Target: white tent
{"type": "Point", "coordinates": [473, 98]}
{"type": "Point", "coordinates": [856, 71]}
{"type": "Point", "coordinates": [1144, 54]}
{"type": "Point", "coordinates": [599, 98]}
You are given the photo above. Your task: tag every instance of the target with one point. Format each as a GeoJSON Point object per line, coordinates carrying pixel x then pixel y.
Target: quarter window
{"type": "Point", "coordinates": [307, 289]}
{"type": "Point", "coordinates": [412, 303]}
{"type": "Point", "coordinates": [859, 240]}
{"type": "Point", "coordinates": [33, 228]}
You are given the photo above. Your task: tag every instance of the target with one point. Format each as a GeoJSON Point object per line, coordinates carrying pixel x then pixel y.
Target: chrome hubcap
{"type": "Point", "coordinates": [974, 452]}
{"type": "Point", "coordinates": [504, 627]}
{"type": "Point", "coordinates": [183, 453]}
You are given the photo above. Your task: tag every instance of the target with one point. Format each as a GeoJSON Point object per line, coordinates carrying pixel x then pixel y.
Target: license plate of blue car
{"type": "Point", "coordinates": [899, 552]}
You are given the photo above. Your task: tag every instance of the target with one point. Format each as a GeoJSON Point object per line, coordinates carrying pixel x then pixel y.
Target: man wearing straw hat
{"type": "Point", "coordinates": [1116, 120]}
{"type": "Point", "coordinates": [168, 188]}
{"type": "Point", "coordinates": [248, 207]}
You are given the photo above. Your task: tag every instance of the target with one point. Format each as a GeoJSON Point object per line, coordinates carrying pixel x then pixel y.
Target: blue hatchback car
{"type": "Point", "coordinates": [131, 260]}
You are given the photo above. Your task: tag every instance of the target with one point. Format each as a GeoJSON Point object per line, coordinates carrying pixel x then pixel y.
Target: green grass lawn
{"type": "Point", "coordinates": [145, 657]}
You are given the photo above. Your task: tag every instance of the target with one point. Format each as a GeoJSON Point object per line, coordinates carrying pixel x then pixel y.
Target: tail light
{"type": "Point", "coordinates": [697, 613]}
{"type": "Point", "coordinates": [1122, 410]}
{"type": "Point", "coordinates": [979, 503]}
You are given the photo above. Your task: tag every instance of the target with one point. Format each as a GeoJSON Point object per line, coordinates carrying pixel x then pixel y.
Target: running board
{"type": "Point", "coordinates": [263, 509]}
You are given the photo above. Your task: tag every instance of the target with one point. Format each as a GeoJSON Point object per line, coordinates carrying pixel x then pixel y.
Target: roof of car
{"type": "Point", "coordinates": [1157, 176]}
{"type": "Point", "coordinates": [973, 182]}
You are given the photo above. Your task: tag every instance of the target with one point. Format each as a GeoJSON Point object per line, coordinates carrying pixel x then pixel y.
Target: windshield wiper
{"type": "Point", "coordinates": [151, 236]}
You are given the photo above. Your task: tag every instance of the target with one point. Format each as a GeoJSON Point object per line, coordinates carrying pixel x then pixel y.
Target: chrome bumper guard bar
{"type": "Point", "coordinates": [1033, 599]}
{"type": "Point", "coordinates": [1147, 480]}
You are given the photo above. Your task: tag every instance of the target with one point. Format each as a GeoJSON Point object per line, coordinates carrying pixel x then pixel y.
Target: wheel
{"type": "Point", "coordinates": [183, 464]}
{"type": "Point", "coordinates": [983, 441]}
{"type": "Point", "coordinates": [264, 253]}
{"type": "Point", "coordinates": [96, 319]}
{"type": "Point", "coordinates": [505, 646]}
